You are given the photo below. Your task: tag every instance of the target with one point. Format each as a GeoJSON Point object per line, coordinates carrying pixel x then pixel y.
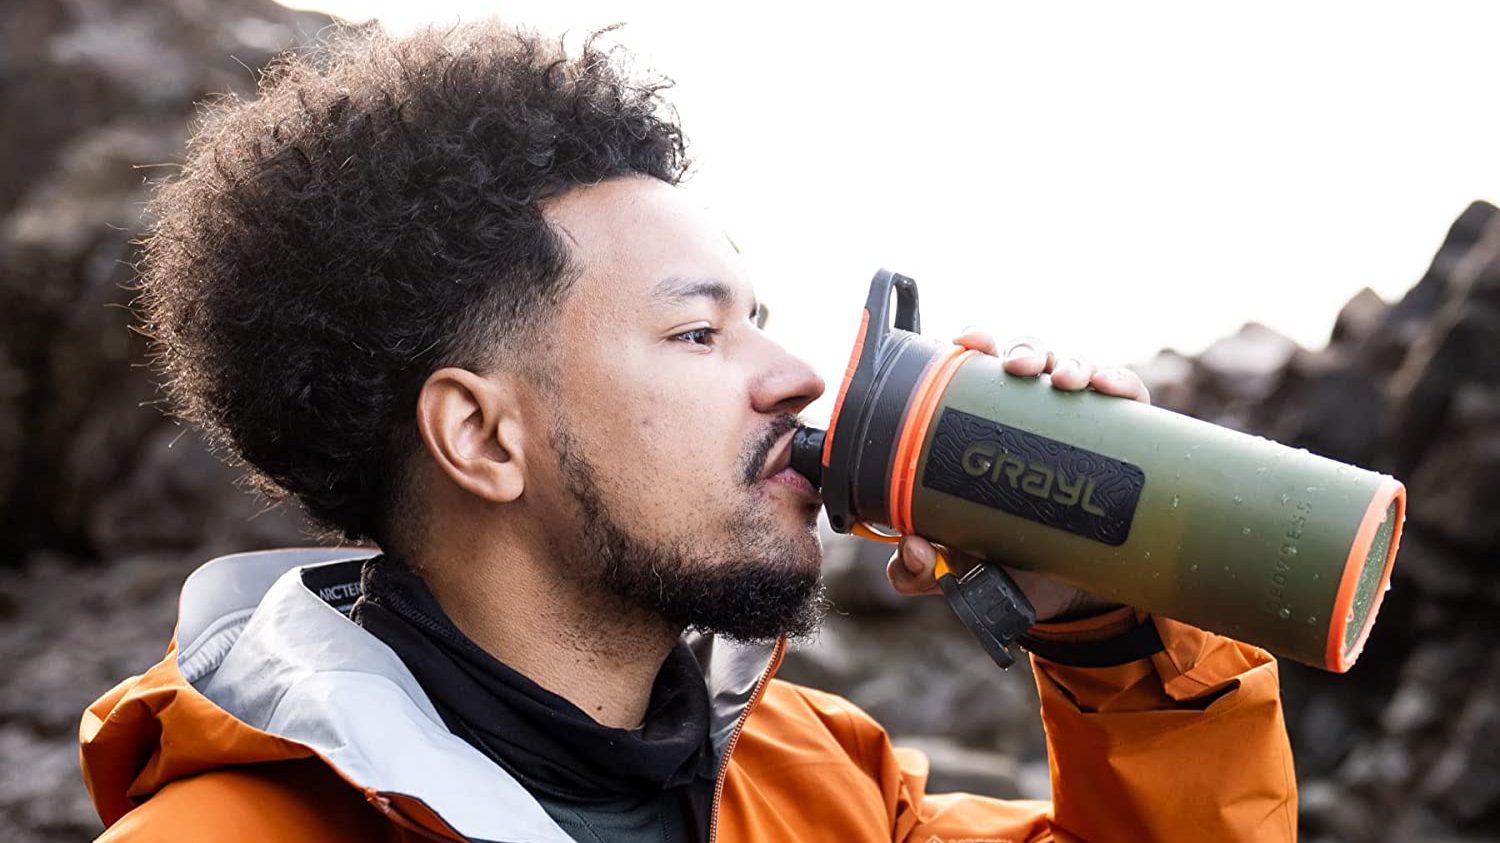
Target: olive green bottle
{"type": "Point", "coordinates": [1229, 532]}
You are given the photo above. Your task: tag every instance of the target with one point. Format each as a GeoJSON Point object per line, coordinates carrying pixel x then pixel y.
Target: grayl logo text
{"type": "Point", "coordinates": [1036, 479]}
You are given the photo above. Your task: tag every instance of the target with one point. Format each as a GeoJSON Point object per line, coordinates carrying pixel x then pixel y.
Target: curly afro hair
{"type": "Point", "coordinates": [371, 216]}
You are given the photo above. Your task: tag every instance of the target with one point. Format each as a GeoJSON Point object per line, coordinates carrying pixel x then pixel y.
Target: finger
{"type": "Point", "coordinates": [978, 340]}
{"type": "Point", "coordinates": [1027, 357]}
{"type": "Point", "coordinates": [1121, 383]}
{"type": "Point", "coordinates": [910, 568]}
{"type": "Point", "coordinates": [1072, 374]}
{"type": "Point", "coordinates": [905, 582]}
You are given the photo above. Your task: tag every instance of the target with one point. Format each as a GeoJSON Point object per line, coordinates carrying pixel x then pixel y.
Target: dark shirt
{"type": "Point", "coordinates": [654, 783]}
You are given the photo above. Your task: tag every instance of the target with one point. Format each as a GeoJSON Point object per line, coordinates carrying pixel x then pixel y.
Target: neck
{"type": "Point", "coordinates": [520, 606]}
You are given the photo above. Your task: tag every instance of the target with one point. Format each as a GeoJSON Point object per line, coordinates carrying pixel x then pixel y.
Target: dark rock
{"type": "Point", "coordinates": [105, 506]}
{"type": "Point", "coordinates": [957, 768]}
{"type": "Point", "coordinates": [92, 92]}
{"type": "Point", "coordinates": [854, 572]}
{"type": "Point", "coordinates": [1359, 319]}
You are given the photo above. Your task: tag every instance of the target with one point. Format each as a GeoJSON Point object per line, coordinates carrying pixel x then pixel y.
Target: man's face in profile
{"type": "Point", "coordinates": [671, 414]}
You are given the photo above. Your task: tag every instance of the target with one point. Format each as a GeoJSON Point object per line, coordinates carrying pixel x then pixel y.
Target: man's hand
{"type": "Point", "coordinates": [910, 568]}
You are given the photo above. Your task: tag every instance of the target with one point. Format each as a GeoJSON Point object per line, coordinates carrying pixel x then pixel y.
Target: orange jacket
{"type": "Point", "coordinates": [273, 717]}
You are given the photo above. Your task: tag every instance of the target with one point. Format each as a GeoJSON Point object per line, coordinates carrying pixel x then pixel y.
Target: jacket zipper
{"type": "Point", "coordinates": [734, 737]}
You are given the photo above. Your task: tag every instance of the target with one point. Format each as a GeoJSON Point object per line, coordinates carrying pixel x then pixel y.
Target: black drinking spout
{"type": "Point", "coordinates": [807, 454]}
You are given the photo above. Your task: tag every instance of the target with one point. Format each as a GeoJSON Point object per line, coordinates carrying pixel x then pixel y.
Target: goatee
{"type": "Point", "coordinates": [760, 584]}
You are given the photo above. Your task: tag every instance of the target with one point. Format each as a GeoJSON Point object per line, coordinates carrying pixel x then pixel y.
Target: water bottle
{"type": "Point", "coordinates": [1226, 531]}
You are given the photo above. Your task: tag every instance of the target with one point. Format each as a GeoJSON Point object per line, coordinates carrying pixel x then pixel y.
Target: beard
{"type": "Point", "coordinates": [758, 584]}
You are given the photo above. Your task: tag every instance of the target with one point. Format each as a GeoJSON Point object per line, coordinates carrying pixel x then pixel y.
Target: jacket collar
{"type": "Point", "coordinates": [276, 656]}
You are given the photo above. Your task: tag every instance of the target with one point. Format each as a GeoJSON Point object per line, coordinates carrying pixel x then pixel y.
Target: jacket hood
{"type": "Point", "coordinates": [265, 666]}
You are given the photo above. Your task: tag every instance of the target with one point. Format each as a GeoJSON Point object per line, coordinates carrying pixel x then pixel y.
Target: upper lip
{"type": "Point", "coordinates": [781, 457]}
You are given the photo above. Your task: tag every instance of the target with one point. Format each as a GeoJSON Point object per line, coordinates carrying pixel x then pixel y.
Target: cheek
{"type": "Point", "coordinates": [669, 434]}
{"type": "Point", "coordinates": [685, 452]}
{"type": "Point", "coordinates": [679, 436]}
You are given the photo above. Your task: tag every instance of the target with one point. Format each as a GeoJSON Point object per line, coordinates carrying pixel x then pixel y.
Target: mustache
{"type": "Point", "coordinates": [755, 457]}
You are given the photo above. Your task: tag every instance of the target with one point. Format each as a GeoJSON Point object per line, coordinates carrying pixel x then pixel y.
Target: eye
{"type": "Point", "coordinates": [697, 336]}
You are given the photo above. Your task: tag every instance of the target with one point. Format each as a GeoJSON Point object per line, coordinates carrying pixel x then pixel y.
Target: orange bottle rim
{"type": "Point", "coordinates": [914, 428]}
{"type": "Point", "coordinates": [1339, 658]}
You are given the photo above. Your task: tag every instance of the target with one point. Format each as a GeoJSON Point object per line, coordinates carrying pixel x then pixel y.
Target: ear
{"type": "Point", "coordinates": [472, 428]}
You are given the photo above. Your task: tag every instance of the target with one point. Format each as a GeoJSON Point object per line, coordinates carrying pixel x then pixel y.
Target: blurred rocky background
{"type": "Point", "coordinates": [105, 506]}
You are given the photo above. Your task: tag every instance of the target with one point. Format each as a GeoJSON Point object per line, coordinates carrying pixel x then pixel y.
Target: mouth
{"type": "Point", "coordinates": [779, 471]}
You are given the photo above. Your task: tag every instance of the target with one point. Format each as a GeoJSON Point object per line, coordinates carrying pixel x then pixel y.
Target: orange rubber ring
{"type": "Point", "coordinates": [838, 404]}
{"type": "Point", "coordinates": [1338, 658]}
{"type": "Point", "coordinates": [914, 432]}
{"type": "Point", "coordinates": [903, 437]}
{"type": "Point", "coordinates": [924, 421]}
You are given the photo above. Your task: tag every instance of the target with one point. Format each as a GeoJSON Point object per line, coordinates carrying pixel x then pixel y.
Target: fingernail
{"type": "Point", "coordinates": [923, 553]}
{"type": "Point", "coordinates": [1018, 351]}
{"type": "Point", "coordinates": [1067, 365]}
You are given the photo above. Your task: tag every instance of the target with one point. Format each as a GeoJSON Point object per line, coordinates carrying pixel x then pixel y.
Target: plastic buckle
{"type": "Point", "coordinates": [992, 606]}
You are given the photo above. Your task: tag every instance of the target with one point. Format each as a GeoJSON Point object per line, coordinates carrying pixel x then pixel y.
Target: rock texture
{"type": "Point", "coordinates": [95, 98]}
{"type": "Point", "coordinates": [106, 506]}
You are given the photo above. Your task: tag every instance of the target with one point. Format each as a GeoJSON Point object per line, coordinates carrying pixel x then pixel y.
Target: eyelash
{"type": "Point", "coordinates": [705, 332]}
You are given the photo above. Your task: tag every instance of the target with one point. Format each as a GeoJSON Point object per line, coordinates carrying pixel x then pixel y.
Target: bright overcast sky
{"type": "Point", "coordinates": [1115, 177]}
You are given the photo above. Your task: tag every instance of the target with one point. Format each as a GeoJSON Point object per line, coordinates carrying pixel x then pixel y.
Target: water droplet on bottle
{"type": "Point", "coordinates": [1188, 455]}
{"type": "Point", "coordinates": [1285, 497]}
{"type": "Point", "coordinates": [1175, 501]}
{"type": "Point", "coordinates": [1245, 531]}
{"type": "Point", "coordinates": [1316, 575]}
{"type": "Point", "coordinates": [1290, 550]}
{"type": "Point", "coordinates": [1156, 575]}
{"type": "Point", "coordinates": [1312, 619]}
{"type": "Point", "coordinates": [1148, 554]}
{"type": "Point", "coordinates": [1194, 568]}
{"type": "Point", "coordinates": [1312, 489]}
{"type": "Point", "coordinates": [1238, 500]}
{"type": "Point", "coordinates": [1261, 470]}
{"type": "Point", "coordinates": [1285, 612]}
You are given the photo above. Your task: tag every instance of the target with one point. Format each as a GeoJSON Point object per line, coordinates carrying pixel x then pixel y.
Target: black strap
{"type": "Point", "coordinates": [1139, 642]}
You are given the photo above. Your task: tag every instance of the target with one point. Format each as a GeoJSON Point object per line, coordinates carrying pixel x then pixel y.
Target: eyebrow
{"type": "Point", "coordinates": [676, 289]}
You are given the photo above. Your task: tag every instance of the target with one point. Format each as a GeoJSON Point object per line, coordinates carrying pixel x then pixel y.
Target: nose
{"type": "Point", "coordinates": [786, 383]}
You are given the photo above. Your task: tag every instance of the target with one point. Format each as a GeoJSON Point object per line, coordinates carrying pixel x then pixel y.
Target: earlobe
{"type": "Point", "coordinates": [471, 428]}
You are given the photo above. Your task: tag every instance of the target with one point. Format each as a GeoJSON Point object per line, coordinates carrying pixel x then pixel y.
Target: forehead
{"type": "Point", "coordinates": [630, 236]}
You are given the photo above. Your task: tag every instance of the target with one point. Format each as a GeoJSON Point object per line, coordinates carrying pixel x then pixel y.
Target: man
{"type": "Point", "coordinates": [444, 292]}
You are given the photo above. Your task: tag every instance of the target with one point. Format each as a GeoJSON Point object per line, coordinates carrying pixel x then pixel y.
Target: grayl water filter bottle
{"type": "Point", "coordinates": [1229, 532]}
